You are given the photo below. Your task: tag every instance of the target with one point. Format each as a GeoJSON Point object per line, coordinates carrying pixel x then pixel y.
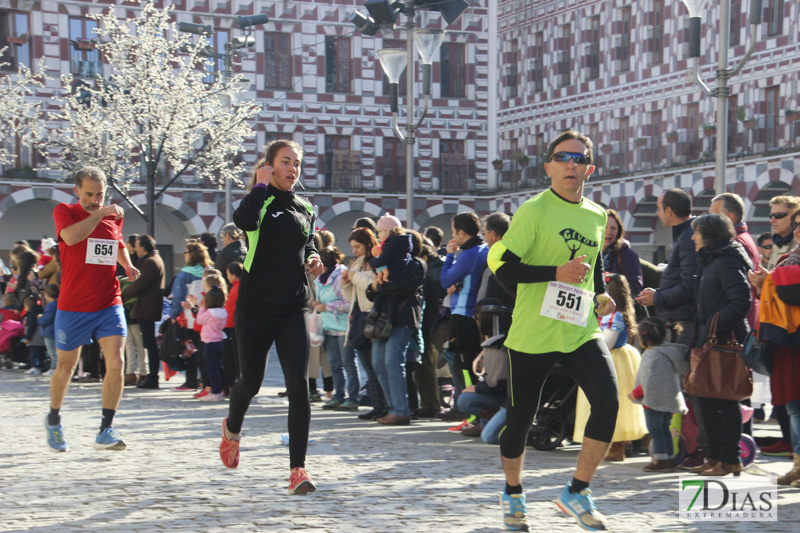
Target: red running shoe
{"type": "Point", "coordinates": [229, 448]}
{"type": "Point", "coordinates": [779, 449]}
{"type": "Point", "coordinates": [300, 482]}
{"type": "Point", "coordinates": [200, 394]}
{"type": "Point", "coordinates": [460, 426]}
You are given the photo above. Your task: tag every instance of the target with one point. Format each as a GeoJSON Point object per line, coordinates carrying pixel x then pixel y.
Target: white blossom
{"type": "Point", "coordinates": [155, 107]}
{"type": "Point", "coordinates": [19, 114]}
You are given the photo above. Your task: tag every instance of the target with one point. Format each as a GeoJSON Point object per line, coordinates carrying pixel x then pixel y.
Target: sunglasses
{"type": "Point", "coordinates": [779, 215]}
{"type": "Point", "coordinates": [794, 225]}
{"type": "Point", "coordinates": [766, 247]}
{"type": "Point", "coordinates": [564, 157]}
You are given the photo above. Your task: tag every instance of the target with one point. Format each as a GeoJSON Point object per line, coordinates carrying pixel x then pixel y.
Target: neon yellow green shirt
{"type": "Point", "coordinates": [550, 231]}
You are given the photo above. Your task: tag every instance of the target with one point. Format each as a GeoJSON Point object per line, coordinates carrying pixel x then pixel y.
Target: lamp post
{"type": "Point", "coordinates": [722, 91]}
{"type": "Point", "coordinates": [245, 41]}
{"type": "Point", "coordinates": [383, 14]}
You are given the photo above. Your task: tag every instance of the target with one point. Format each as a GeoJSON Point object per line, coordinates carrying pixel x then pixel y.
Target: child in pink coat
{"type": "Point", "coordinates": [212, 316]}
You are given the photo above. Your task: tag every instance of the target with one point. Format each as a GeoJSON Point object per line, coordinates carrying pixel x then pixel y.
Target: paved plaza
{"type": "Point", "coordinates": [370, 478]}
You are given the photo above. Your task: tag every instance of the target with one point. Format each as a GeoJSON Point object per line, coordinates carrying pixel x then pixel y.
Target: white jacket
{"type": "Point", "coordinates": [357, 288]}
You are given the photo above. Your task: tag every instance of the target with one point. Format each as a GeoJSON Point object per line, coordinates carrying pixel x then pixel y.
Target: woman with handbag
{"type": "Point", "coordinates": [354, 287]}
{"type": "Point", "coordinates": [723, 301]}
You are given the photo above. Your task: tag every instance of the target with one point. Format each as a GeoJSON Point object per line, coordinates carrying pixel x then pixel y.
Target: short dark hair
{"type": "Point", "coordinates": [52, 291]}
{"type": "Point", "coordinates": [434, 234]}
{"type": "Point", "coordinates": [365, 222]}
{"type": "Point", "coordinates": [235, 268]}
{"type": "Point", "coordinates": [679, 201]}
{"type": "Point", "coordinates": [498, 223]}
{"type": "Point", "coordinates": [210, 240]}
{"type": "Point", "coordinates": [731, 203]}
{"type": "Point", "coordinates": [93, 173]}
{"type": "Point", "coordinates": [652, 332]}
{"type": "Point", "coordinates": [715, 229]}
{"type": "Point", "coordinates": [132, 238]}
{"type": "Point", "coordinates": [764, 237]}
{"type": "Point", "coordinates": [147, 242]}
{"type": "Point", "coordinates": [467, 222]}
{"type": "Point", "coordinates": [572, 134]}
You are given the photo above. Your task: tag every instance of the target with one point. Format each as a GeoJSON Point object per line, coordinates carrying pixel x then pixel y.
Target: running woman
{"type": "Point", "coordinates": [91, 244]}
{"type": "Point", "coordinates": [272, 303]}
{"type": "Point", "coordinates": [553, 251]}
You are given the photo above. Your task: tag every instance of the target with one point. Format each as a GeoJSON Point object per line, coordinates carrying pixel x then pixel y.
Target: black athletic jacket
{"type": "Point", "coordinates": [280, 233]}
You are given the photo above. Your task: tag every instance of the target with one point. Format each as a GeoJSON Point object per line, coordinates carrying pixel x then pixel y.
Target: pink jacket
{"type": "Point", "coordinates": [212, 320]}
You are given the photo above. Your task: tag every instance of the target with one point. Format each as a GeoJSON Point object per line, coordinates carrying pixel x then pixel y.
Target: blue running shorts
{"type": "Point", "coordinates": [75, 328]}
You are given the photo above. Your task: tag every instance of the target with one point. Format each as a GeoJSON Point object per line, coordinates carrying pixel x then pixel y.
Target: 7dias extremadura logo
{"type": "Point", "coordinates": [723, 500]}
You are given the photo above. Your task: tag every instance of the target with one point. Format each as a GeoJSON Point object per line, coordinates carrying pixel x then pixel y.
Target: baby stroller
{"type": "Point", "coordinates": [12, 350]}
{"type": "Point", "coordinates": [555, 418]}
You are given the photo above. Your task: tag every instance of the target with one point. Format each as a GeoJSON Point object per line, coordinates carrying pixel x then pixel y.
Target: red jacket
{"type": "Point", "coordinates": [230, 303]}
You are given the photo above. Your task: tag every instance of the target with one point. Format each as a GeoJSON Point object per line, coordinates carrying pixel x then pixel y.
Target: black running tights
{"type": "Point", "coordinates": [592, 368]}
{"type": "Point", "coordinates": [255, 334]}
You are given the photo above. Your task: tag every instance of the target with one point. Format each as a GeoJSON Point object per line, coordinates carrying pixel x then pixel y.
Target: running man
{"type": "Point", "coordinates": [553, 251]}
{"type": "Point", "coordinates": [90, 241]}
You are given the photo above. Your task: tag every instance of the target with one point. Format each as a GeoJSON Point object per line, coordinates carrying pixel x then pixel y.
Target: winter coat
{"type": "Point", "coordinates": [337, 314]}
{"type": "Point", "coordinates": [675, 298]}
{"type": "Point", "coordinates": [148, 289]}
{"type": "Point", "coordinates": [625, 262]}
{"type": "Point", "coordinates": [407, 294]}
{"type": "Point", "coordinates": [48, 320]}
{"type": "Point", "coordinates": [467, 269]}
{"type": "Point", "coordinates": [234, 252]}
{"type": "Point", "coordinates": [180, 287]}
{"type": "Point", "coordinates": [659, 376]}
{"type": "Point", "coordinates": [355, 291]}
{"type": "Point", "coordinates": [723, 286]}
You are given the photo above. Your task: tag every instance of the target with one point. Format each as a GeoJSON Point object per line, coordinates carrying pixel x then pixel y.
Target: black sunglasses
{"type": "Point", "coordinates": [779, 215]}
{"type": "Point", "coordinates": [564, 157]}
{"type": "Point", "coordinates": [766, 247]}
{"type": "Point", "coordinates": [794, 225]}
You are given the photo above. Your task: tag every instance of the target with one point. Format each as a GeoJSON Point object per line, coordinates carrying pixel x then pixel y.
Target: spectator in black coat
{"type": "Point", "coordinates": [233, 249]}
{"type": "Point", "coordinates": [722, 288]}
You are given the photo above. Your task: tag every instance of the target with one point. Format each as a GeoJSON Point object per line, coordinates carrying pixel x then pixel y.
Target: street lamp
{"type": "Point", "coordinates": [245, 41]}
{"type": "Point", "coordinates": [722, 90]}
{"type": "Point", "coordinates": [382, 15]}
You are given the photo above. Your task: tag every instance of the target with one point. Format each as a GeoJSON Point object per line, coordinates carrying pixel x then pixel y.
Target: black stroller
{"type": "Point", "coordinates": [555, 418]}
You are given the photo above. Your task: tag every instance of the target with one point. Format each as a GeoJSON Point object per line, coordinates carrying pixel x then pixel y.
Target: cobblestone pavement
{"type": "Point", "coordinates": [370, 478]}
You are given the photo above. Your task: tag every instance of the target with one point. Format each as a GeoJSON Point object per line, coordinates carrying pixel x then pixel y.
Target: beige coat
{"type": "Point", "coordinates": [357, 288]}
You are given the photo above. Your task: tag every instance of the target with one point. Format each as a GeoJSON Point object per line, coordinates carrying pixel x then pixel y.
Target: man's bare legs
{"type": "Point", "coordinates": [591, 456]}
{"type": "Point", "coordinates": [113, 353]}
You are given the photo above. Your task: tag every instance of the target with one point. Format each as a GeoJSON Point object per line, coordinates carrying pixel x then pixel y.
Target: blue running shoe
{"type": "Point", "coordinates": [109, 439]}
{"type": "Point", "coordinates": [514, 511]}
{"type": "Point", "coordinates": [580, 506]}
{"type": "Point", "coordinates": [55, 437]}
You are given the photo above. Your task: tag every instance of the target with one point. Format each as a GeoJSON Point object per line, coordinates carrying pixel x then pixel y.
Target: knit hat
{"type": "Point", "coordinates": [387, 222]}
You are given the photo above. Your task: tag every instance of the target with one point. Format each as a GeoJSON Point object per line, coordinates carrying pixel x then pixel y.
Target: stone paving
{"type": "Point", "coordinates": [370, 478]}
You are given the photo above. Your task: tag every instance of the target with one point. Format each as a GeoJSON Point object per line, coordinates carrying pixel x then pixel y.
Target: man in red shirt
{"type": "Point", "coordinates": [90, 242]}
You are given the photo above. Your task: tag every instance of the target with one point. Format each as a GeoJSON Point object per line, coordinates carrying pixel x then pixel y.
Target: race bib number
{"type": "Point", "coordinates": [101, 252]}
{"type": "Point", "coordinates": [567, 303]}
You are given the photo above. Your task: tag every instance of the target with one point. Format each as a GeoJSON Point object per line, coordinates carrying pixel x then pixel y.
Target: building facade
{"type": "Point", "coordinates": [509, 76]}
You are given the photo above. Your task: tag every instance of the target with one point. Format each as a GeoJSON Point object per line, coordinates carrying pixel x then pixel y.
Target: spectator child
{"type": "Point", "coordinates": [9, 310]}
{"type": "Point", "coordinates": [212, 317]}
{"type": "Point", "coordinates": [47, 323]}
{"type": "Point", "coordinates": [658, 388]}
{"type": "Point", "coordinates": [230, 363]}
{"type": "Point", "coordinates": [391, 260]}
{"type": "Point", "coordinates": [33, 335]}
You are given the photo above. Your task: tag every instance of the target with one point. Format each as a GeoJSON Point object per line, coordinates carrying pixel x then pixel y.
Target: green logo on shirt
{"type": "Point", "coordinates": [575, 240]}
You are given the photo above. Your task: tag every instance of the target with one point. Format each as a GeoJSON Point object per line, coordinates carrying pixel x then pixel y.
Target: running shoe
{"type": "Point", "coordinates": [109, 439]}
{"type": "Point", "coordinates": [300, 482]}
{"type": "Point", "coordinates": [212, 397]}
{"type": "Point", "coordinates": [55, 437]}
{"type": "Point", "coordinates": [201, 394]}
{"type": "Point", "coordinates": [348, 405]}
{"type": "Point", "coordinates": [458, 427]}
{"type": "Point", "coordinates": [315, 397]}
{"type": "Point", "coordinates": [33, 371]}
{"type": "Point", "coordinates": [229, 448]}
{"type": "Point", "coordinates": [514, 511]}
{"type": "Point", "coordinates": [48, 373]}
{"type": "Point", "coordinates": [185, 387]}
{"type": "Point", "coordinates": [580, 506]}
{"type": "Point", "coordinates": [778, 449]}
{"type": "Point", "coordinates": [331, 405]}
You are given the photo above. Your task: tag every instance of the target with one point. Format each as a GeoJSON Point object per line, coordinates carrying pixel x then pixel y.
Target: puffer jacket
{"type": "Point", "coordinates": [336, 318]}
{"type": "Point", "coordinates": [408, 295]}
{"type": "Point", "coordinates": [675, 298]}
{"type": "Point", "coordinates": [723, 287]}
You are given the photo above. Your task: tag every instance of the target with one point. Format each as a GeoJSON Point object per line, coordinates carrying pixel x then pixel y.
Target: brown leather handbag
{"type": "Point", "coordinates": [718, 370]}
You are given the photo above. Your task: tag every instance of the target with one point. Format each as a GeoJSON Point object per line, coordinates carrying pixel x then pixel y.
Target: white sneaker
{"type": "Point", "coordinates": [212, 397]}
{"type": "Point", "coordinates": [33, 371]}
{"type": "Point", "coordinates": [48, 373]}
